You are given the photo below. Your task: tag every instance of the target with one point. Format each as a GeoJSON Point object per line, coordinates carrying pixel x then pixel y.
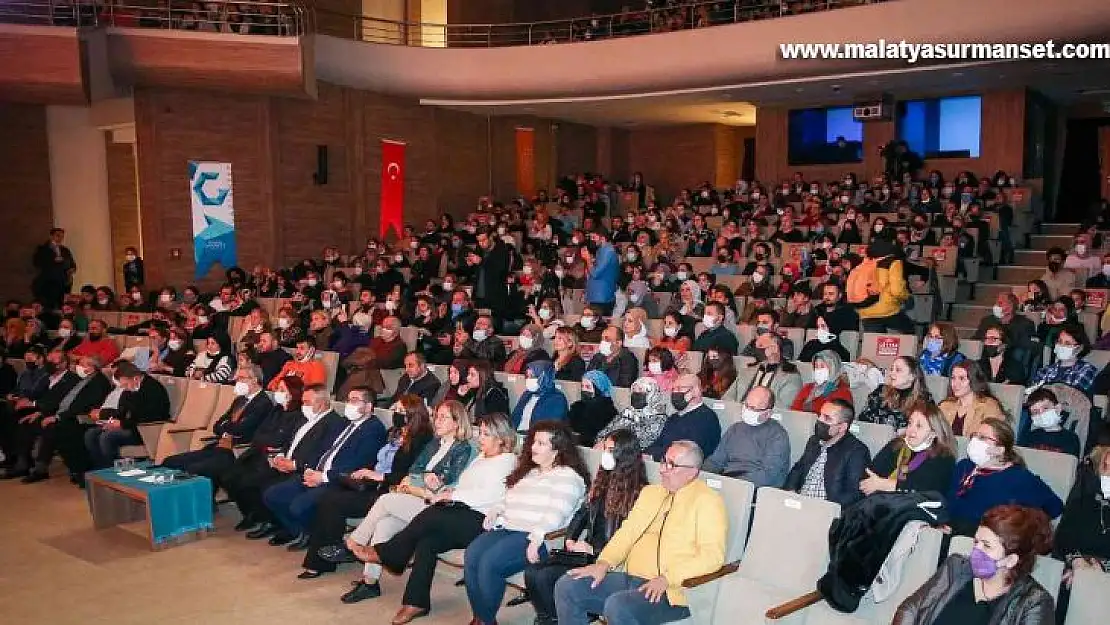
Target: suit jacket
{"type": "Point", "coordinates": [48, 403]}
{"type": "Point", "coordinates": [845, 466]}
{"type": "Point", "coordinates": [785, 385]}
{"type": "Point", "coordinates": [492, 271]}
{"type": "Point", "coordinates": [425, 388]}
{"type": "Point", "coordinates": [316, 441]}
{"type": "Point", "coordinates": [254, 412]}
{"type": "Point", "coordinates": [359, 450]}
{"type": "Point", "coordinates": [89, 397]}
{"type": "Point", "coordinates": [622, 371]}
{"type": "Point", "coordinates": [149, 403]}
{"type": "Point", "coordinates": [276, 430]}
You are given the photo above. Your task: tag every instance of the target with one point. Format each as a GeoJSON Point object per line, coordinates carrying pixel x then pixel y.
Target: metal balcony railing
{"type": "Point", "coordinates": [261, 17]}
{"type": "Point", "coordinates": [658, 16]}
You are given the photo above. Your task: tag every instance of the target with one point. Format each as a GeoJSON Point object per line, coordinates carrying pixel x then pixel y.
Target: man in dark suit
{"type": "Point", "coordinates": [59, 429]}
{"type": "Point", "coordinates": [309, 443]}
{"type": "Point", "coordinates": [55, 265]}
{"type": "Point", "coordinates": [293, 501]}
{"type": "Point", "coordinates": [31, 383]}
{"type": "Point", "coordinates": [491, 265]}
{"type": "Point", "coordinates": [416, 380]}
{"type": "Point", "coordinates": [235, 427]}
{"type": "Point", "coordinates": [144, 400]}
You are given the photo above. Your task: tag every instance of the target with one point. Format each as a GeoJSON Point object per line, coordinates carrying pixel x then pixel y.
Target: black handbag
{"type": "Point", "coordinates": [573, 559]}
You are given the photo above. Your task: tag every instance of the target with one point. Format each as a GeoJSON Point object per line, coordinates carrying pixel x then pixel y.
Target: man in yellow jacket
{"type": "Point", "coordinates": [676, 531]}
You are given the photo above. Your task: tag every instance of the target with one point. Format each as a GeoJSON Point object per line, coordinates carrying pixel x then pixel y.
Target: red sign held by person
{"type": "Point", "coordinates": [940, 255]}
{"type": "Point", "coordinates": [887, 346]}
{"type": "Point", "coordinates": [1096, 299]}
{"type": "Point", "coordinates": [393, 187]}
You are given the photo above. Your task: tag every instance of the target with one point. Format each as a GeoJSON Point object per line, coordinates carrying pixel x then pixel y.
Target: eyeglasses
{"type": "Point", "coordinates": [989, 439]}
{"type": "Point", "coordinates": [671, 465]}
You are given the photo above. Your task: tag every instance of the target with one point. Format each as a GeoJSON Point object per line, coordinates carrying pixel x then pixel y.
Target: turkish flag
{"type": "Point", "coordinates": [393, 186]}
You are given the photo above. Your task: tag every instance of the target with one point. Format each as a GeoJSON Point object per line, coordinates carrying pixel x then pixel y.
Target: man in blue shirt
{"type": "Point", "coordinates": [602, 268]}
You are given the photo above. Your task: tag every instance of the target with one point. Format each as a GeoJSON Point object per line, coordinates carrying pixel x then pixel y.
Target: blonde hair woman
{"type": "Point", "coordinates": [569, 365]}
{"type": "Point", "coordinates": [636, 329]}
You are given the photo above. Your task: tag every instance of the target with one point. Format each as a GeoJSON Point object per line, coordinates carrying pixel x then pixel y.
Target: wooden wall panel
{"type": "Point", "coordinates": [26, 206]}
{"type": "Point", "coordinates": [672, 158]}
{"type": "Point", "coordinates": [726, 153]}
{"type": "Point", "coordinates": [577, 148]}
{"type": "Point", "coordinates": [123, 203]}
{"type": "Point", "coordinates": [462, 160]}
{"type": "Point", "coordinates": [42, 64]}
{"type": "Point", "coordinates": [621, 147]}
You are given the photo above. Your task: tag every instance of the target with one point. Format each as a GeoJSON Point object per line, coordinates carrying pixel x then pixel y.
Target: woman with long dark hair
{"type": "Point", "coordinates": [921, 460]}
{"type": "Point", "coordinates": [615, 488]}
{"type": "Point", "coordinates": [486, 395]}
{"type": "Point", "coordinates": [904, 387]}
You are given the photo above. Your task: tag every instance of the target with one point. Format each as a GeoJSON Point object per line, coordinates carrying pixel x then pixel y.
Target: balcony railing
{"type": "Point", "coordinates": [262, 17]}
{"type": "Point", "coordinates": [661, 17]}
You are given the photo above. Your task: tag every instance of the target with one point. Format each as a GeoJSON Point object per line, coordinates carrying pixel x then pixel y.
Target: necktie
{"type": "Point", "coordinates": [339, 440]}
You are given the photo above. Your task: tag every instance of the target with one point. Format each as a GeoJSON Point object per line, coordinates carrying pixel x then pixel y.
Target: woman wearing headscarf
{"type": "Point", "coordinates": [645, 417]}
{"type": "Point", "coordinates": [541, 400]}
{"type": "Point", "coordinates": [689, 303]}
{"type": "Point", "coordinates": [636, 329]}
{"type": "Point", "coordinates": [215, 363]}
{"type": "Point", "coordinates": [595, 410]}
{"type": "Point", "coordinates": [829, 382]}
{"type": "Point", "coordinates": [640, 296]}
{"type": "Point", "coordinates": [531, 346]}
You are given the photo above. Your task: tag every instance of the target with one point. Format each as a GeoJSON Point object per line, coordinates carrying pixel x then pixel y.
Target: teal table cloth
{"type": "Point", "coordinates": [176, 508]}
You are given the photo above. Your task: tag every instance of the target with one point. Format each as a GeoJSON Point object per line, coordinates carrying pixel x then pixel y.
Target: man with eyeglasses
{"type": "Point", "coordinates": [756, 448]}
{"type": "Point", "coordinates": [676, 531]}
{"type": "Point", "coordinates": [834, 460]}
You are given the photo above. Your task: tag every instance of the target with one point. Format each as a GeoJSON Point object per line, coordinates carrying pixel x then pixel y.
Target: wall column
{"type": "Point", "coordinates": [79, 185]}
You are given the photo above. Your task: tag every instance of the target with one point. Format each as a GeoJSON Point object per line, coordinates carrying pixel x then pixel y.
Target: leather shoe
{"type": "Point", "coordinates": [408, 614]}
{"type": "Point", "coordinates": [307, 574]}
{"type": "Point", "coordinates": [247, 523]}
{"type": "Point", "coordinates": [262, 531]}
{"type": "Point", "coordinates": [35, 476]}
{"type": "Point", "coordinates": [520, 599]}
{"type": "Point", "coordinates": [300, 544]}
{"type": "Point", "coordinates": [11, 474]}
{"type": "Point", "coordinates": [361, 591]}
{"type": "Point", "coordinates": [281, 538]}
{"type": "Point", "coordinates": [336, 554]}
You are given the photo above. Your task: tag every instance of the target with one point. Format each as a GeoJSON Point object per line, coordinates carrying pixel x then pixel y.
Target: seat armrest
{"type": "Point", "coordinates": [182, 430]}
{"type": "Point", "coordinates": [798, 603]}
{"type": "Point", "coordinates": [158, 423]}
{"type": "Point", "coordinates": [727, 569]}
{"type": "Point", "coordinates": [556, 535]}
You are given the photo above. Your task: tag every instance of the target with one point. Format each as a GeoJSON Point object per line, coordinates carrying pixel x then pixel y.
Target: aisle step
{"type": "Point", "coordinates": [1015, 274]}
{"type": "Point", "coordinates": [1060, 228]}
{"type": "Point", "coordinates": [986, 293]}
{"type": "Point", "coordinates": [968, 315]}
{"type": "Point", "coordinates": [1030, 258]}
{"type": "Point", "coordinates": [1044, 241]}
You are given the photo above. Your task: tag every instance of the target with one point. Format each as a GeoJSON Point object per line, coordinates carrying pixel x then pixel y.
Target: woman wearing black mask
{"type": "Point", "coordinates": [997, 361]}
{"type": "Point", "coordinates": [595, 410]}
{"type": "Point", "coordinates": [646, 415]}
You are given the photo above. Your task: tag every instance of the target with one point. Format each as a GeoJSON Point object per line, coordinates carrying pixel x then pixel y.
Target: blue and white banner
{"type": "Point", "coordinates": [213, 215]}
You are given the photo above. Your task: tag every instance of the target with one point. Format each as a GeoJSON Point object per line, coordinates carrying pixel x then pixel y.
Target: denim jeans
{"type": "Point", "coordinates": [490, 560]}
{"type": "Point", "coordinates": [617, 598]}
{"type": "Point", "coordinates": [103, 445]}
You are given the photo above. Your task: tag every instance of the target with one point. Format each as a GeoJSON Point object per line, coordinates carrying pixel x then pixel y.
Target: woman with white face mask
{"type": "Point", "coordinates": [1070, 368]}
{"type": "Point", "coordinates": [920, 460]}
{"type": "Point", "coordinates": [829, 382]}
{"type": "Point", "coordinates": [548, 316]}
{"type": "Point", "coordinates": [992, 474]}
{"type": "Point", "coordinates": [531, 346]}
{"type": "Point", "coordinates": [825, 340]}
{"type": "Point", "coordinates": [620, 477]}
{"type": "Point", "coordinates": [1083, 536]}
{"type": "Point", "coordinates": [541, 400]}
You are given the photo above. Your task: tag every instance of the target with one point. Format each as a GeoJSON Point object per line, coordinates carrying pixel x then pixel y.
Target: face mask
{"type": "Point", "coordinates": [608, 462]}
{"type": "Point", "coordinates": [820, 376]}
{"type": "Point", "coordinates": [242, 389]}
{"type": "Point", "coordinates": [1104, 482]}
{"type": "Point", "coordinates": [982, 566]}
{"type": "Point", "coordinates": [824, 336]}
{"type": "Point", "coordinates": [1081, 249]}
{"type": "Point", "coordinates": [681, 275]}
{"type": "Point", "coordinates": [757, 277]}
{"type": "Point", "coordinates": [1054, 266]}
{"type": "Point", "coordinates": [631, 256]}
{"type": "Point", "coordinates": [878, 227]}
{"type": "Point", "coordinates": [927, 443]}
{"type": "Point", "coordinates": [560, 274]}
{"type": "Point", "coordinates": [480, 335]}
{"type": "Point", "coordinates": [605, 348]}
{"type": "Point", "coordinates": [933, 345]}
{"type": "Point", "coordinates": [997, 311]}
{"type": "Point", "coordinates": [281, 397]}
{"type": "Point", "coordinates": [201, 320]}
{"type": "Point", "coordinates": [352, 412]}
{"type": "Point", "coordinates": [313, 282]}
{"type": "Point", "coordinates": [1064, 352]}
{"type": "Point", "coordinates": [710, 322]}
{"type": "Point", "coordinates": [978, 451]}
{"type": "Point", "coordinates": [670, 331]}
{"type": "Point", "coordinates": [655, 368]}
{"type": "Point", "coordinates": [755, 195]}
{"type": "Point", "coordinates": [545, 313]}
{"type": "Point", "coordinates": [31, 365]}
{"type": "Point", "coordinates": [991, 351]}
{"type": "Point", "coordinates": [587, 322]}
{"type": "Point", "coordinates": [175, 344]}
{"type": "Point", "coordinates": [457, 309]}
{"type": "Point", "coordinates": [749, 416]}
{"type": "Point", "coordinates": [823, 431]}
{"type": "Point", "coordinates": [1046, 420]}
{"type": "Point", "coordinates": [308, 412]}
{"type": "Point", "coordinates": [531, 385]}
{"type": "Point", "coordinates": [390, 305]}
{"type": "Point", "coordinates": [448, 286]}
{"type": "Point", "coordinates": [639, 400]}
{"type": "Point", "coordinates": [65, 333]}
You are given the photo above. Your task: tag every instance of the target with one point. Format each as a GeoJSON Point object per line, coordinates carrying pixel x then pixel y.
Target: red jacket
{"type": "Point", "coordinates": [842, 391]}
{"type": "Point", "coordinates": [105, 349]}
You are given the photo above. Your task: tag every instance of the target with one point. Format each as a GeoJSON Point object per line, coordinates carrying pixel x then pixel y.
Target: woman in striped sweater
{"type": "Point", "coordinates": [214, 364]}
{"type": "Point", "coordinates": [544, 491]}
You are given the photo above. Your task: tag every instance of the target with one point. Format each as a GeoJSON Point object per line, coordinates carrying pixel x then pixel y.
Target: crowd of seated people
{"type": "Point", "coordinates": [307, 468]}
{"type": "Point", "coordinates": [215, 16]}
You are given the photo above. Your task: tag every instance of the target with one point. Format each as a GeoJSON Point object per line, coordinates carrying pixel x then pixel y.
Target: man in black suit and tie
{"type": "Point", "coordinates": [60, 429]}
{"type": "Point", "coordinates": [293, 501]}
{"type": "Point", "coordinates": [236, 427]}
{"type": "Point", "coordinates": [416, 380]}
{"type": "Point", "coordinates": [56, 266]}
{"type": "Point", "coordinates": [29, 410]}
{"type": "Point", "coordinates": [314, 437]}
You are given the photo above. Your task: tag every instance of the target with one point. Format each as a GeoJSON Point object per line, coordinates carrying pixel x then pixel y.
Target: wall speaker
{"type": "Point", "coordinates": [321, 175]}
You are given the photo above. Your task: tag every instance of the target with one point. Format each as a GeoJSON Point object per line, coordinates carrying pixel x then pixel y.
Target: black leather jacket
{"type": "Point", "coordinates": [591, 520]}
{"type": "Point", "coordinates": [1027, 603]}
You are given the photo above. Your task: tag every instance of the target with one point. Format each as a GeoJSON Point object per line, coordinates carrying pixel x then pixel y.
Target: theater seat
{"type": "Point", "coordinates": [195, 414]}
{"type": "Point", "coordinates": [1090, 598]}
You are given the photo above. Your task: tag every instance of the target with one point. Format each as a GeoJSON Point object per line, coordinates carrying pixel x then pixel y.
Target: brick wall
{"type": "Point", "coordinates": [123, 203]}
{"type": "Point", "coordinates": [25, 202]}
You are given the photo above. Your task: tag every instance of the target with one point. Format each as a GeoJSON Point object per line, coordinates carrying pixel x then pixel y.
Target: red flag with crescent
{"type": "Point", "coordinates": [393, 187]}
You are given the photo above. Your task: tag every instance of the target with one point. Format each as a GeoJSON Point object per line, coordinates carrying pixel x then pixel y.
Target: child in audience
{"type": "Point", "coordinates": [1047, 432]}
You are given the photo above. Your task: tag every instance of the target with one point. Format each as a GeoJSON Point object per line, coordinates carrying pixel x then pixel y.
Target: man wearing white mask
{"type": "Point", "coordinates": [293, 501]}
{"type": "Point", "coordinates": [716, 335]}
{"type": "Point", "coordinates": [483, 343]}
{"type": "Point", "coordinates": [756, 448]}
{"type": "Point", "coordinates": [363, 366]}
{"type": "Point", "coordinates": [692, 420]}
{"type": "Point", "coordinates": [614, 359]}
{"type": "Point", "coordinates": [1081, 257]}
{"type": "Point", "coordinates": [1048, 432]}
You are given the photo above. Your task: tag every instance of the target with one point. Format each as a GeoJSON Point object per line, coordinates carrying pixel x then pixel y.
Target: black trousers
{"type": "Point", "coordinates": [539, 581]}
{"type": "Point", "coordinates": [332, 511]}
{"type": "Point", "coordinates": [435, 530]}
{"type": "Point", "coordinates": [27, 457]}
{"type": "Point", "coordinates": [9, 433]}
{"type": "Point", "coordinates": [211, 462]}
{"type": "Point", "coordinates": [69, 437]}
{"type": "Point", "coordinates": [245, 482]}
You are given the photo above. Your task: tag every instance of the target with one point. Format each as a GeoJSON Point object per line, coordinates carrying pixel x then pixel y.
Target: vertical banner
{"type": "Point", "coordinates": [526, 162]}
{"type": "Point", "coordinates": [213, 215]}
{"type": "Point", "coordinates": [393, 187]}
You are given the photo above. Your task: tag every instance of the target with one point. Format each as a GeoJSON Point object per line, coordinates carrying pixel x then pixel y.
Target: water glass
{"type": "Point", "coordinates": [119, 465]}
